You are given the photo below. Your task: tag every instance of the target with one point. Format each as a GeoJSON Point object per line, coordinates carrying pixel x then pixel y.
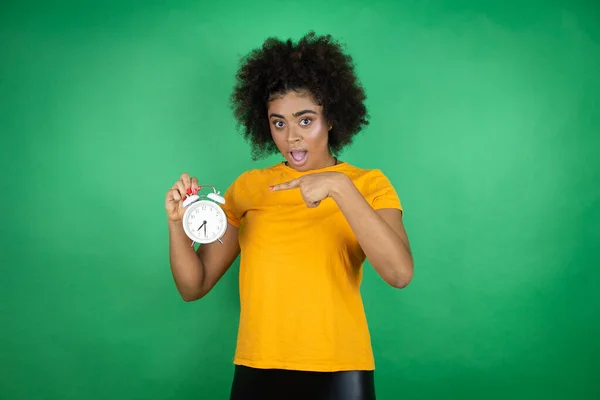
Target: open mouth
{"type": "Point", "coordinates": [298, 157]}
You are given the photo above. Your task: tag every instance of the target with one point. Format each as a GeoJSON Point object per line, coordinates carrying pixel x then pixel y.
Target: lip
{"type": "Point", "coordinates": [292, 160]}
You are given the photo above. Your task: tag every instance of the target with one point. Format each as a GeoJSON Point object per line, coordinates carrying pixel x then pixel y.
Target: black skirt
{"type": "Point", "coordinates": [258, 384]}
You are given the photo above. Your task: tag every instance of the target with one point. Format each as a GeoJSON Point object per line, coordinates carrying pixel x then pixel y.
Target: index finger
{"type": "Point", "coordinates": [294, 183]}
{"type": "Point", "coordinates": [194, 185]}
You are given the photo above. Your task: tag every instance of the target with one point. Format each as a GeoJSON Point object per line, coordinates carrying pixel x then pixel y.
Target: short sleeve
{"type": "Point", "coordinates": [381, 193]}
{"type": "Point", "coordinates": [233, 207]}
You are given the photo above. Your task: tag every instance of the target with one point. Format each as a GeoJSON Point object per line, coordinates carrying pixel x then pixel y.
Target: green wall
{"type": "Point", "coordinates": [485, 116]}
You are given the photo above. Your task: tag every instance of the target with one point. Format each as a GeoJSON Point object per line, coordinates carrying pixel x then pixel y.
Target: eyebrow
{"type": "Point", "coordinates": [296, 114]}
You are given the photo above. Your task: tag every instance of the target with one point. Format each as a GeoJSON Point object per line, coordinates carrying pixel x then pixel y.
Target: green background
{"type": "Point", "coordinates": [485, 117]}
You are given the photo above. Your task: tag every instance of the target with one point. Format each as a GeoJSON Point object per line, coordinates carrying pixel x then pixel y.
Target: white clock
{"type": "Point", "coordinates": [204, 221]}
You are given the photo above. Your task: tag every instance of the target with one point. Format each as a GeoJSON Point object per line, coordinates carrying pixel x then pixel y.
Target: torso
{"type": "Point", "coordinates": [300, 275]}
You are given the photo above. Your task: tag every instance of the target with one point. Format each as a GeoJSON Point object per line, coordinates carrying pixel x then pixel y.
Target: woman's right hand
{"type": "Point", "coordinates": [176, 195]}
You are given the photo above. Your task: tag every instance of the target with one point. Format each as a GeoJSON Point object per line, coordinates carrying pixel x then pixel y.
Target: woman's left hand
{"type": "Point", "coordinates": [313, 187]}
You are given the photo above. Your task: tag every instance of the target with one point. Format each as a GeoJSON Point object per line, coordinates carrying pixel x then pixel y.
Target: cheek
{"type": "Point", "coordinates": [273, 131]}
{"type": "Point", "coordinates": [317, 133]}
{"type": "Point", "coordinates": [278, 137]}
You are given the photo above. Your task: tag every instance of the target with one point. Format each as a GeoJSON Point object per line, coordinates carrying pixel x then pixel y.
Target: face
{"type": "Point", "coordinates": [300, 131]}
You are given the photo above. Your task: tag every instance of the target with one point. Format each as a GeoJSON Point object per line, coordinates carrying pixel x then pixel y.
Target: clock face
{"type": "Point", "coordinates": [204, 222]}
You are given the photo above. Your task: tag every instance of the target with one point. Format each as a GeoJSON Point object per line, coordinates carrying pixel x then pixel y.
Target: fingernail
{"type": "Point", "coordinates": [195, 191]}
{"type": "Point", "coordinates": [188, 191]}
{"type": "Point", "coordinates": [271, 187]}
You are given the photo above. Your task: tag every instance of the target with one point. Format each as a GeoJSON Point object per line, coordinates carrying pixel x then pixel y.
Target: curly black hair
{"type": "Point", "coordinates": [317, 64]}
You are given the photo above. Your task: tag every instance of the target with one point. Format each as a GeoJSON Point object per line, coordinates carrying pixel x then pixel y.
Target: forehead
{"type": "Point", "coordinates": [292, 101]}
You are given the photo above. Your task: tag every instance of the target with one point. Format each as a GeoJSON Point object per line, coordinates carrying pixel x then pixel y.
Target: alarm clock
{"type": "Point", "coordinates": [204, 221]}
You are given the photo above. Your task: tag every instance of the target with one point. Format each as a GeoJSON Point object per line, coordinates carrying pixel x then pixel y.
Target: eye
{"type": "Point", "coordinates": [305, 121]}
{"type": "Point", "coordinates": [278, 124]}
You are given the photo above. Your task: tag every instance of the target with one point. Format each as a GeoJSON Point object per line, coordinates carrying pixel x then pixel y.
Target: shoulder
{"type": "Point", "coordinates": [368, 178]}
{"type": "Point", "coordinates": [375, 186]}
{"type": "Point", "coordinates": [256, 178]}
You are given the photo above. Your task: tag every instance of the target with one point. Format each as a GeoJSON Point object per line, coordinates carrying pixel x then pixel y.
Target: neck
{"type": "Point", "coordinates": [329, 161]}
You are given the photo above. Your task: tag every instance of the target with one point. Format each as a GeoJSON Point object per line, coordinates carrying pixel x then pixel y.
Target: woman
{"type": "Point", "coordinates": [303, 227]}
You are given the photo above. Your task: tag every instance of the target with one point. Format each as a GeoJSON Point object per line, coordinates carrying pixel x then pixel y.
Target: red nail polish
{"type": "Point", "coordinates": [271, 187]}
{"type": "Point", "coordinates": [188, 191]}
{"type": "Point", "coordinates": [195, 191]}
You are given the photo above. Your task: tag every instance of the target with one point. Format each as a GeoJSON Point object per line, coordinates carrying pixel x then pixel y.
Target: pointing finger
{"type": "Point", "coordinates": [294, 183]}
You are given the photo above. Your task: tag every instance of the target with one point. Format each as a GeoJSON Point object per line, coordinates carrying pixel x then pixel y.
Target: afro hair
{"type": "Point", "coordinates": [316, 64]}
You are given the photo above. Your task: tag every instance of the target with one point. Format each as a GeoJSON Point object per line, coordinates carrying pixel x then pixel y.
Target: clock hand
{"type": "Point", "coordinates": [204, 228]}
{"type": "Point", "coordinates": [203, 224]}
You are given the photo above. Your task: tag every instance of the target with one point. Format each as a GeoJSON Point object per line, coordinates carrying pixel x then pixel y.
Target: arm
{"type": "Point", "coordinates": [380, 233]}
{"type": "Point", "coordinates": [196, 272]}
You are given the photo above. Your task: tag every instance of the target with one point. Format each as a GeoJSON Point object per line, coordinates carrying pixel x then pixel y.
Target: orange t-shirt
{"type": "Point", "coordinates": [300, 273]}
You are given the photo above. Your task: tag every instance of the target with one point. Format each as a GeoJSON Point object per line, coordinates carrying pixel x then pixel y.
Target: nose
{"type": "Point", "coordinates": [293, 135]}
